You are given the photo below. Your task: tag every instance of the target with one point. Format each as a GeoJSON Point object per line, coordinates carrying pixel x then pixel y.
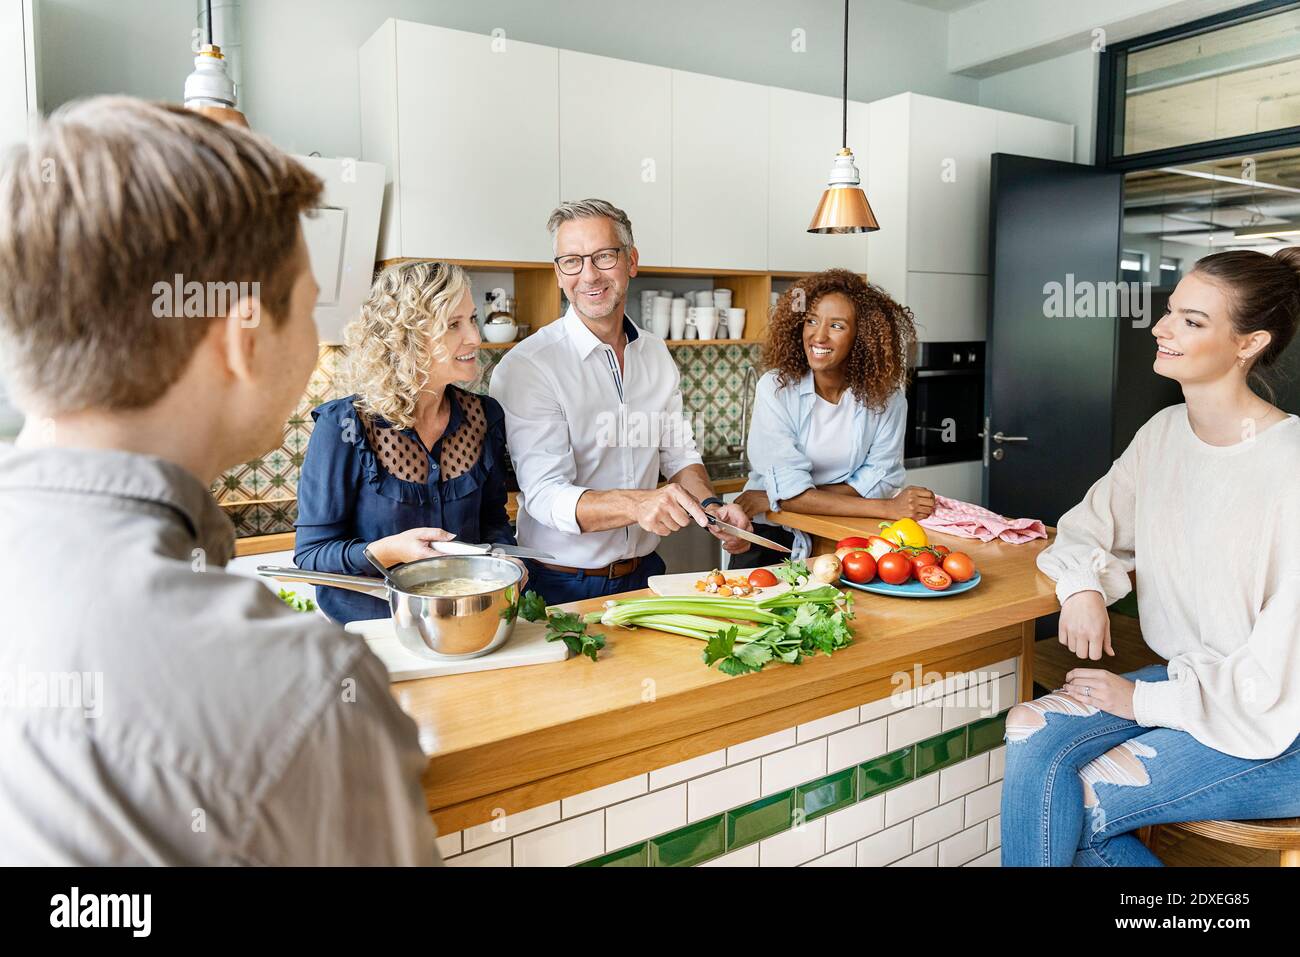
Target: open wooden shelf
{"type": "Point", "coordinates": [537, 294]}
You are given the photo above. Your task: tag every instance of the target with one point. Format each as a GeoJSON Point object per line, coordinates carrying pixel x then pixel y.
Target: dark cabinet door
{"type": "Point", "coordinates": [1049, 378]}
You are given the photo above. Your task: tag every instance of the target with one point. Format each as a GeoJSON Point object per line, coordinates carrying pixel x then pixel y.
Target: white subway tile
{"type": "Point", "coordinates": [745, 857]}
{"type": "Point", "coordinates": [984, 803]}
{"type": "Point", "coordinates": [645, 816]}
{"type": "Point", "coordinates": [494, 855]}
{"type": "Point", "coordinates": [559, 845]}
{"type": "Point", "coordinates": [1007, 694]}
{"type": "Point", "coordinates": [926, 858]}
{"type": "Point", "coordinates": [911, 799]}
{"type": "Point", "coordinates": [785, 769]}
{"type": "Point", "coordinates": [728, 788]}
{"type": "Point", "coordinates": [964, 706]}
{"type": "Point", "coordinates": [856, 745]}
{"type": "Point", "coordinates": [603, 796]}
{"type": "Point", "coordinates": [992, 859]}
{"type": "Point", "coordinates": [449, 844]}
{"type": "Point", "coordinates": [997, 763]}
{"type": "Point", "coordinates": [963, 777]}
{"type": "Point", "coordinates": [827, 725]}
{"type": "Point", "coordinates": [853, 823]}
{"type": "Point", "coordinates": [894, 701]}
{"type": "Point", "coordinates": [912, 725]}
{"type": "Point", "coordinates": [889, 845]}
{"type": "Point", "coordinates": [844, 857]}
{"type": "Point", "coordinates": [960, 848]}
{"type": "Point", "coordinates": [794, 846]}
{"type": "Point", "coordinates": [933, 826]}
{"type": "Point", "coordinates": [995, 832]}
{"type": "Point", "coordinates": [510, 825]}
{"type": "Point", "coordinates": [758, 747]}
{"type": "Point", "coordinates": [690, 768]}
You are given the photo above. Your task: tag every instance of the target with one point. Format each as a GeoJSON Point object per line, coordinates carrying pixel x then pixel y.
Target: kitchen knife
{"type": "Point", "coordinates": [513, 551]}
{"type": "Point", "coordinates": [747, 536]}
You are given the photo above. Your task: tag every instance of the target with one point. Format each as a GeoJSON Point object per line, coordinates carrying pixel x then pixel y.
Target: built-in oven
{"type": "Point", "coordinates": [945, 404]}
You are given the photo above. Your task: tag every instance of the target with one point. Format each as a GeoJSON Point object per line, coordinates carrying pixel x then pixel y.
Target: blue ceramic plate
{"type": "Point", "coordinates": [912, 589]}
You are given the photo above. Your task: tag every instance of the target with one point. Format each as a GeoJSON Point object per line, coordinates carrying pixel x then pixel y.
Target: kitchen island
{"type": "Point", "coordinates": [888, 751]}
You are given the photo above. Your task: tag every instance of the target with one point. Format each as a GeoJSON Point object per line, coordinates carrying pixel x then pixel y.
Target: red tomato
{"type": "Point", "coordinates": [854, 540]}
{"type": "Point", "coordinates": [859, 567]}
{"type": "Point", "coordinates": [921, 560]}
{"type": "Point", "coordinates": [934, 578]}
{"type": "Point", "coordinates": [959, 566]}
{"type": "Point", "coordinates": [941, 549]}
{"type": "Point", "coordinates": [762, 578]}
{"type": "Point", "coordinates": [848, 550]}
{"type": "Point", "coordinates": [894, 568]}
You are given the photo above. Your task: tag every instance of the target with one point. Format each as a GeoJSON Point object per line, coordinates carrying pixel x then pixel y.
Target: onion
{"type": "Point", "coordinates": [825, 569]}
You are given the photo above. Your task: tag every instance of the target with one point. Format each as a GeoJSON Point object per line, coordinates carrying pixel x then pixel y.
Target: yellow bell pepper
{"type": "Point", "coordinates": [905, 533]}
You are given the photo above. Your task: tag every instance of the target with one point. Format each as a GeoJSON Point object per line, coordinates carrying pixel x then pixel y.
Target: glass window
{"type": "Point", "coordinates": [1231, 81]}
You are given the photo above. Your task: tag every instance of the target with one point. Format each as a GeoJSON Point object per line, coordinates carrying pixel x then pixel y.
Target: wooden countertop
{"type": "Point", "coordinates": [516, 738]}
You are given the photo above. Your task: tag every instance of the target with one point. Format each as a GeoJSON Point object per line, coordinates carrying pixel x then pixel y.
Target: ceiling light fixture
{"type": "Point", "coordinates": [844, 207]}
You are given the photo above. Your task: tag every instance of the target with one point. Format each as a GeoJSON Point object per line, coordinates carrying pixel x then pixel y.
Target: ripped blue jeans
{"type": "Point", "coordinates": [1080, 782]}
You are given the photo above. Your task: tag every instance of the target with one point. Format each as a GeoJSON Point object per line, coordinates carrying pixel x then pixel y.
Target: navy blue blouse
{"type": "Point", "coordinates": [348, 499]}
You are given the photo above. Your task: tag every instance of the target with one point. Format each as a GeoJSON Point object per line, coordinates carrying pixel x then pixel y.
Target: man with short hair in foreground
{"type": "Point", "coordinates": [158, 710]}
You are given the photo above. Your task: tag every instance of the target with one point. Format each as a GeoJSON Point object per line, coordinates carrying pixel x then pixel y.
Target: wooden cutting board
{"type": "Point", "coordinates": [683, 583]}
{"type": "Point", "coordinates": [527, 646]}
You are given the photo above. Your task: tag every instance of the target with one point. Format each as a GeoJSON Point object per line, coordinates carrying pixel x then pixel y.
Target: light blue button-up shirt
{"type": "Point", "coordinates": [781, 433]}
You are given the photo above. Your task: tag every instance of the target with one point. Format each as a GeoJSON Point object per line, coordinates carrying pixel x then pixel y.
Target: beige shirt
{"type": "Point", "coordinates": [155, 709]}
{"type": "Point", "coordinates": [1212, 534]}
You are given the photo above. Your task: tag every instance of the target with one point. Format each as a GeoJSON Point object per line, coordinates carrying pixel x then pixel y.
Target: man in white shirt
{"type": "Point", "coordinates": [593, 417]}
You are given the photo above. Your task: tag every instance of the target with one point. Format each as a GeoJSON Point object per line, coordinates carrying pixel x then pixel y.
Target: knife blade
{"type": "Point", "coordinates": [750, 537]}
{"type": "Point", "coordinates": [468, 548]}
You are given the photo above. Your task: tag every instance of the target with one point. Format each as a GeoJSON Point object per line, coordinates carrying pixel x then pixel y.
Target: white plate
{"type": "Point", "coordinates": [684, 583]}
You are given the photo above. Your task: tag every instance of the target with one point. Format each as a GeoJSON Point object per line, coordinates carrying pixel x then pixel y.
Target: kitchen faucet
{"type": "Point", "coordinates": [747, 386]}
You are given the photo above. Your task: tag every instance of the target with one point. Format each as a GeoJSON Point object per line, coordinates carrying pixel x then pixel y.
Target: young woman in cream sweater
{"type": "Point", "coordinates": [1204, 505]}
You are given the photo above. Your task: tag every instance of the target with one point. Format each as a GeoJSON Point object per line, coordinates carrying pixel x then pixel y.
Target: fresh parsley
{"type": "Point", "coordinates": [791, 571]}
{"type": "Point", "coordinates": [566, 626]}
{"type": "Point", "coordinates": [296, 603]}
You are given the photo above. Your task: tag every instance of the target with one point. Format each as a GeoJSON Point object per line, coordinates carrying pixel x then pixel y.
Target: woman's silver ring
{"type": "Point", "coordinates": [1087, 692]}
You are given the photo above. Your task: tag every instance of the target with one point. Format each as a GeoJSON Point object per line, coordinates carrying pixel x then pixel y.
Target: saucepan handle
{"type": "Point", "coordinates": [374, 587]}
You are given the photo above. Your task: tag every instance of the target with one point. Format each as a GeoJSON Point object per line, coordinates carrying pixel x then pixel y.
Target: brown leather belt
{"type": "Point", "coordinates": [615, 570]}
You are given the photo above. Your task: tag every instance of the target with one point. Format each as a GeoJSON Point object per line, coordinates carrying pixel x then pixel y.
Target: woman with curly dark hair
{"type": "Point", "coordinates": [829, 415]}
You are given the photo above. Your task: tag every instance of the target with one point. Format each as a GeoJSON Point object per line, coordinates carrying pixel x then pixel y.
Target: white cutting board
{"type": "Point", "coordinates": [683, 583]}
{"type": "Point", "coordinates": [527, 646]}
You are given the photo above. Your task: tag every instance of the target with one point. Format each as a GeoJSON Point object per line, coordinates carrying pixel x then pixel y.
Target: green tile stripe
{"type": "Point", "coordinates": [769, 816]}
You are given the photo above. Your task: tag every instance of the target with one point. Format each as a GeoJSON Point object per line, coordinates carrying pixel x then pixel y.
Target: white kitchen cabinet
{"type": "Point", "coordinates": [958, 480]}
{"type": "Point", "coordinates": [720, 172]}
{"type": "Point", "coordinates": [949, 307]}
{"type": "Point", "coordinates": [948, 185]}
{"type": "Point", "coordinates": [467, 126]}
{"type": "Point", "coordinates": [616, 143]}
{"type": "Point", "coordinates": [804, 134]}
{"type": "Point", "coordinates": [928, 180]}
{"type": "Point", "coordinates": [18, 69]}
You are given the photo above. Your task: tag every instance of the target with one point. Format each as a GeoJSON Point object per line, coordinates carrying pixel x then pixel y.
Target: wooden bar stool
{"type": "Point", "coordinates": [1280, 834]}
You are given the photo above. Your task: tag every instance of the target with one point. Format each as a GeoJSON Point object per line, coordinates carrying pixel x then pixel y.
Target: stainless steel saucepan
{"type": "Point", "coordinates": [464, 626]}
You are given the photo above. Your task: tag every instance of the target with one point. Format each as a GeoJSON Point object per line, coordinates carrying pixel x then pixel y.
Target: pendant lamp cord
{"type": "Point", "coordinates": [209, 6]}
{"type": "Point", "coordinates": [845, 118]}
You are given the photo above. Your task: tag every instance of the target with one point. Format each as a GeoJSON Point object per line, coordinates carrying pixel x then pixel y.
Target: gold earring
{"type": "Point", "coordinates": [1241, 360]}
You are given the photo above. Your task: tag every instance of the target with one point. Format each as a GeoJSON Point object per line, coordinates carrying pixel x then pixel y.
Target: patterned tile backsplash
{"type": "Point", "coordinates": [261, 496]}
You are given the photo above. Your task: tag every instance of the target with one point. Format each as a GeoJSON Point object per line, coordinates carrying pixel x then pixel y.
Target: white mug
{"type": "Point", "coordinates": [706, 321]}
{"type": "Point", "coordinates": [736, 323]}
{"type": "Point", "coordinates": [660, 326]}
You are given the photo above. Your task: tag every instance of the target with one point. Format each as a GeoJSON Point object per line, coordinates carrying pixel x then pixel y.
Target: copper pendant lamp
{"type": "Point", "coordinates": [844, 207]}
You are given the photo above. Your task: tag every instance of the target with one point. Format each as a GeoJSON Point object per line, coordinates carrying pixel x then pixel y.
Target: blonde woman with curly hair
{"type": "Point", "coordinates": [829, 415]}
{"type": "Point", "coordinates": [411, 458]}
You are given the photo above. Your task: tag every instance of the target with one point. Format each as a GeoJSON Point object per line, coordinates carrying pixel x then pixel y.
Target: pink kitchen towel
{"type": "Point", "coordinates": [972, 521]}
